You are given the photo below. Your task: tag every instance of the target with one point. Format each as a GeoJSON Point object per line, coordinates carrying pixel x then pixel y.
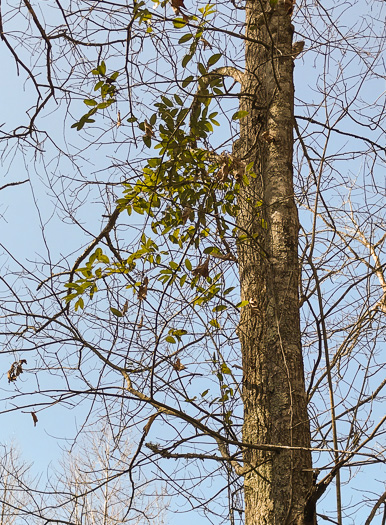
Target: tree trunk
{"type": "Point", "coordinates": [275, 407]}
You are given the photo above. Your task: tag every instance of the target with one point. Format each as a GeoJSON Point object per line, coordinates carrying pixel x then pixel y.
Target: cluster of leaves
{"type": "Point", "coordinates": [197, 37]}
{"type": "Point", "coordinates": [190, 194]}
{"type": "Point", "coordinates": [107, 88]}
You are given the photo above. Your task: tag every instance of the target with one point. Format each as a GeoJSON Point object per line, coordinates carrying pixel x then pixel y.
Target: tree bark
{"type": "Point", "coordinates": [275, 407]}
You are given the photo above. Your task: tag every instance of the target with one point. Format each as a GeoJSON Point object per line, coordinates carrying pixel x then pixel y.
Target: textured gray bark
{"type": "Point", "coordinates": [275, 407]}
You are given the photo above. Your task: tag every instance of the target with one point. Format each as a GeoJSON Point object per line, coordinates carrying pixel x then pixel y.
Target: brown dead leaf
{"type": "Point", "coordinates": [15, 370]}
{"type": "Point", "coordinates": [222, 174]}
{"type": "Point", "coordinates": [178, 366]}
{"type": "Point", "coordinates": [35, 418]}
{"type": "Point", "coordinates": [148, 129]}
{"type": "Point", "coordinates": [176, 5]}
{"type": "Point", "coordinates": [142, 291]}
{"type": "Point", "coordinates": [206, 43]}
{"type": "Point", "coordinates": [202, 269]}
{"type": "Point", "coordinates": [140, 324]}
{"type": "Point", "coordinates": [125, 307]}
{"type": "Point", "coordinates": [187, 213]}
{"type": "Point", "coordinates": [119, 121]}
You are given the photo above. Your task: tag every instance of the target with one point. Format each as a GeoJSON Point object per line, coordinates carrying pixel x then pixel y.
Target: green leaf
{"type": "Point", "coordinates": [153, 119]}
{"type": "Point", "coordinates": [167, 102]}
{"type": "Point", "coordinates": [202, 69]}
{"type": "Point", "coordinates": [115, 75]}
{"type": "Point", "coordinates": [214, 323]}
{"type": "Point", "coordinates": [179, 23]}
{"type": "Point", "coordinates": [147, 141]}
{"type": "Point", "coordinates": [132, 119]}
{"type": "Point", "coordinates": [213, 59]}
{"type": "Point", "coordinates": [90, 102]}
{"type": "Point", "coordinates": [116, 312]}
{"type": "Point", "coordinates": [185, 38]}
{"type": "Point", "coordinates": [239, 114]}
{"type": "Point", "coordinates": [102, 68]}
{"type": "Point", "coordinates": [170, 339]}
{"type": "Point", "coordinates": [203, 394]}
{"type": "Point", "coordinates": [242, 304]}
{"type": "Point", "coordinates": [188, 265]}
{"type": "Point", "coordinates": [187, 81]}
{"type": "Point", "coordinates": [104, 105]}
{"type": "Point", "coordinates": [225, 369]}
{"type": "Point", "coordinates": [79, 304]}
{"type": "Point", "coordinates": [219, 308]}
{"type": "Point", "coordinates": [186, 60]}
{"type": "Point", "coordinates": [178, 100]}
{"type": "Point", "coordinates": [211, 249]}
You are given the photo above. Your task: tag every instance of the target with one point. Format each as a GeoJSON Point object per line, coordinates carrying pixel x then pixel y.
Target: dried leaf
{"type": "Point", "coordinates": [206, 43]}
{"type": "Point", "coordinates": [142, 291]}
{"type": "Point", "coordinates": [176, 4]}
{"type": "Point", "coordinates": [15, 370]}
{"type": "Point", "coordinates": [140, 324]}
{"type": "Point", "coordinates": [35, 418]}
{"type": "Point", "coordinates": [186, 213]}
{"type": "Point", "coordinates": [178, 366]}
{"type": "Point", "coordinates": [222, 174]}
{"type": "Point", "coordinates": [119, 121]}
{"type": "Point", "coordinates": [148, 129]}
{"type": "Point", "coordinates": [125, 307]}
{"type": "Point", "coordinates": [202, 269]}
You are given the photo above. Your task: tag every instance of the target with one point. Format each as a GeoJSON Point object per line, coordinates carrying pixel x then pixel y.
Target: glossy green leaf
{"type": "Point", "coordinates": [179, 23]}
{"type": "Point", "coordinates": [102, 68]}
{"type": "Point", "coordinates": [239, 114]}
{"type": "Point", "coordinates": [187, 81]}
{"type": "Point", "coordinates": [185, 38]}
{"type": "Point", "coordinates": [116, 312]}
{"type": "Point", "coordinates": [202, 69]}
{"type": "Point", "coordinates": [213, 59]}
{"type": "Point", "coordinates": [186, 60]}
{"type": "Point", "coordinates": [225, 369]}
